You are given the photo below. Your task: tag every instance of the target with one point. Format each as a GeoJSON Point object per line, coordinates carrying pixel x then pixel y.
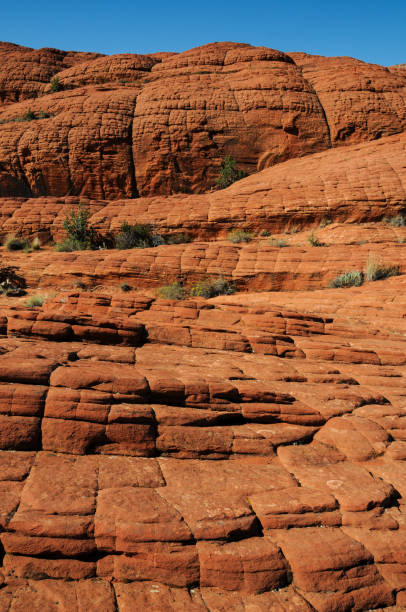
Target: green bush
{"type": "Point", "coordinates": [55, 85]}
{"type": "Point", "coordinates": [377, 271]}
{"type": "Point", "coordinates": [349, 279]}
{"type": "Point", "coordinates": [35, 301]}
{"type": "Point", "coordinates": [138, 236]}
{"type": "Point", "coordinates": [124, 287]}
{"type": "Point", "coordinates": [80, 236]}
{"type": "Point", "coordinates": [174, 291]}
{"type": "Point", "coordinates": [29, 115]}
{"type": "Point", "coordinates": [313, 240]}
{"type": "Point", "coordinates": [12, 243]}
{"type": "Point", "coordinates": [229, 174]}
{"type": "Point", "coordinates": [211, 288]}
{"type": "Point", "coordinates": [237, 236]}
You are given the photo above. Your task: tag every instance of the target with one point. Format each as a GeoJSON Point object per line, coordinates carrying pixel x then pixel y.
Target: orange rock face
{"type": "Point", "coordinates": [244, 452]}
{"type": "Point", "coordinates": [163, 124]}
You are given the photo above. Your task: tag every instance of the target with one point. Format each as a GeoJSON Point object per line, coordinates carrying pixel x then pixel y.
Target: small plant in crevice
{"type": "Point", "coordinates": [55, 85]}
{"type": "Point", "coordinates": [174, 291]}
{"type": "Point", "coordinates": [237, 236]}
{"type": "Point", "coordinates": [293, 230]}
{"type": "Point", "coordinates": [11, 283]}
{"type": "Point", "coordinates": [355, 278]}
{"type": "Point", "coordinates": [212, 288]}
{"type": "Point", "coordinates": [35, 301]}
{"type": "Point", "coordinates": [314, 241]}
{"type": "Point", "coordinates": [375, 270]}
{"type": "Point", "coordinates": [125, 287]}
{"type": "Point", "coordinates": [397, 221]}
{"type": "Point", "coordinates": [229, 174]}
{"type": "Point", "coordinates": [325, 221]}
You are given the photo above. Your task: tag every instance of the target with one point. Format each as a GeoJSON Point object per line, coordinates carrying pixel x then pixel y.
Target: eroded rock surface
{"type": "Point", "coordinates": [221, 454]}
{"type": "Point", "coordinates": [128, 125]}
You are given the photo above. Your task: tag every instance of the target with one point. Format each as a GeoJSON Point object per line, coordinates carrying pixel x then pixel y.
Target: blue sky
{"type": "Point", "coordinates": [373, 31]}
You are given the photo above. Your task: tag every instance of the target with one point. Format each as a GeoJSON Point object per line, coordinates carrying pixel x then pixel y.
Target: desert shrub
{"type": "Point", "coordinates": [211, 288]}
{"type": "Point", "coordinates": [55, 85]}
{"type": "Point", "coordinates": [278, 242]}
{"type": "Point", "coordinates": [355, 278]}
{"type": "Point", "coordinates": [229, 174]}
{"type": "Point", "coordinates": [375, 270]}
{"type": "Point", "coordinates": [35, 301]}
{"type": "Point", "coordinates": [264, 233]}
{"type": "Point", "coordinates": [138, 236]}
{"type": "Point", "coordinates": [173, 291]}
{"type": "Point", "coordinates": [125, 287]}
{"type": "Point", "coordinates": [80, 236]}
{"type": "Point", "coordinates": [239, 236]}
{"type": "Point", "coordinates": [66, 246]}
{"type": "Point", "coordinates": [325, 221]}
{"type": "Point", "coordinates": [313, 240]}
{"type": "Point", "coordinates": [398, 221]}
{"type": "Point", "coordinates": [29, 115]}
{"type": "Point", "coordinates": [12, 243]}
{"type": "Point", "coordinates": [293, 230]}
{"type": "Point", "coordinates": [177, 238]}
{"type": "Point", "coordinates": [11, 283]}
{"type": "Point", "coordinates": [36, 244]}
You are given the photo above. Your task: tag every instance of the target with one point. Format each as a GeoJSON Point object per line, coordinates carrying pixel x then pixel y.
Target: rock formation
{"type": "Point", "coordinates": [243, 452]}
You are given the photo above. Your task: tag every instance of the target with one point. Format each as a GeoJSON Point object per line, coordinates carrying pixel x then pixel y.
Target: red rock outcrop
{"type": "Point", "coordinates": [163, 124]}
{"type": "Point", "coordinates": [26, 73]}
{"type": "Point", "coordinates": [245, 452]}
{"type": "Point", "coordinates": [361, 101]}
{"type": "Point", "coordinates": [273, 440]}
{"type": "Point", "coordinates": [353, 184]}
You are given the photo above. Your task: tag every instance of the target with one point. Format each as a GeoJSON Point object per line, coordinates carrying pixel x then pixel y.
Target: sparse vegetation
{"type": "Point", "coordinates": [80, 236]}
{"type": "Point", "coordinates": [313, 240]}
{"type": "Point", "coordinates": [11, 283]}
{"type": "Point", "coordinates": [355, 278]}
{"type": "Point", "coordinates": [325, 221]}
{"type": "Point", "coordinates": [28, 116]}
{"type": "Point", "coordinates": [173, 291]}
{"type": "Point", "coordinates": [397, 221]}
{"type": "Point", "coordinates": [12, 243]}
{"type": "Point", "coordinates": [125, 287]}
{"type": "Point", "coordinates": [293, 230]}
{"type": "Point", "coordinates": [36, 244]}
{"type": "Point", "coordinates": [229, 174]}
{"type": "Point", "coordinates": [55, 85]}
{"type": "Point", "coordinates": [211, 288]}
{"type": "Point", "coordinates": [237, 236]}
{"type": "Point", "coordinates": [35, 301]}
{"type": "Point", "coordinates": [375, 270]}
{"type": "Point", "coordinates": [264, 233]}
{"type": "Point", "coordinates": [176, 238]}
{"type": "Point", "coordinates": [278, 242]}
{"type": "Point", "coordinates": [138, 236]}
